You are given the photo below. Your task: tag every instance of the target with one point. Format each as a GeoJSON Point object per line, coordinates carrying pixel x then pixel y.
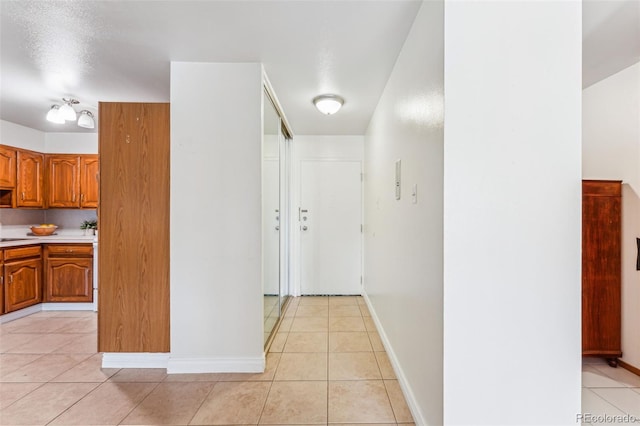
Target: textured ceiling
{"type": "Point", "coordinates": [121, 51]}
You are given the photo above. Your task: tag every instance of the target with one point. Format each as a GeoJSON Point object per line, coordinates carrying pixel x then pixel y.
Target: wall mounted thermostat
{"type": "Point", "coordinates": [398, 173]}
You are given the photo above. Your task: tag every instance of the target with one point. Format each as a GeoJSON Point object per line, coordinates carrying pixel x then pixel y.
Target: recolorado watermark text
{"type": "Point", "coordinates": [606, 418]}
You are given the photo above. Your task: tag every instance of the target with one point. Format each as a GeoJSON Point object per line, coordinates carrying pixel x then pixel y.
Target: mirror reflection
{"type": "Point", "coordinates": [271, 216]}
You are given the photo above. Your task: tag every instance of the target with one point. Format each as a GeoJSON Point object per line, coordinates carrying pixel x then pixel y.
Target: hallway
{"type": "Point", "coordinates": [326, 365]}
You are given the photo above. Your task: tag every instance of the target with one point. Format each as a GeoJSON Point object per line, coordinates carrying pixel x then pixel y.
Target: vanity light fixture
{"type": "Point", "coordinates": [328, 104]}
{"type": "Point", "coordinates": [59, 114]}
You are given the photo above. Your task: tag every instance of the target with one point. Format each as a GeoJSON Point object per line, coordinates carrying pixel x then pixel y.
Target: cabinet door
{"type": "Point", "coordinates": [601, 263]}
{"type": "Point", "coordinates": [63, 172]}
{"type": "Point", "coordinates": [89, 181]}
{"type": "Point", "coordinates": [23, 281]}
{"type": "Point", "coordinates": [1, 282]}
{"type": "Point", "coordinates": [29, 179]}
{"type": "Point", "coordinates": [69, 280]}
{"type": "Point", "coordinates": [7, 167]}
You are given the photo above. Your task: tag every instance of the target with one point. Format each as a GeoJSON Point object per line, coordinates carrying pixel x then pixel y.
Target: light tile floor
{"type": "Point", "coordinates": [326, 365]}
{"type": "Point", "coordinates": [610, 396]}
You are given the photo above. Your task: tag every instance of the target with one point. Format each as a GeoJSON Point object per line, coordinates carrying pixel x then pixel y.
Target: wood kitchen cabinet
{"type": "Point", "coordinates": [68, 272]}
{"type": "Point", "coordinates": [22, 277]}
{"type": "Point", "coordinates": [89, 173]}
{"type": "Point", "coordinates": [1, 282]}
{"type": "Point", "coordinates": [29, 179]}
{"type": "Point", "coordinates": [7, 176]}
{"type": "Point", "coordinates": [7, 167]}
{"type": "Point", "coordinates": [601, 269]}
{"type": "Point", "coordinates": [72, 181]}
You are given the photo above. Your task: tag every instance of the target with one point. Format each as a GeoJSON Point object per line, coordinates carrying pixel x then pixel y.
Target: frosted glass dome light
{"type": "Point", "coordinates": [66, 110]}
{"type": "Point", "coordinates": [86, 120]}
{"type": "Point", "coordinates": [328, 104]}
{"type": "Point", "coordinates": [54, 115]}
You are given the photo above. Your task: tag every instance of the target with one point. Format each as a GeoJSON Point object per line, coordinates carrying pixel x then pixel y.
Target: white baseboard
{"type": "Point", "coordinates": [135, 360]}
{"type": "Point", "coordinates": [418, 418]}
{"type": "Point", "coordinates": [55, 306]}
{"type": "Point", "coordinates": [179, 365]}
{"type": "Point", "coordinates": [12, 316]}
{"type": "Point", "coordinates": [58, 306]}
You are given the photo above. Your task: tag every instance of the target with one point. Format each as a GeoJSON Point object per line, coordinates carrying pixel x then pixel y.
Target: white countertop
{"type": "Point", "coordinates": [62, 236]}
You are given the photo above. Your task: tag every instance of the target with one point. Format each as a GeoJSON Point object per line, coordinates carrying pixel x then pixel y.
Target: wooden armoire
{"type": "Point", "coordinates": [601, 269]}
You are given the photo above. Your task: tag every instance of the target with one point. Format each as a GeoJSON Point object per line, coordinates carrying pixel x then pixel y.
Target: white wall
{"type": "Point", "coordinates": [403, 241]}
{"type": "Point", "coordinates": [512, 212]}
{"type": "Point", "coordinates": [611, 150]}
{"type": "Point", "coordinates": [315, 147]}
{"type": "Point", "coordinates": [21, 137]}
{"type": "Point", "coordinates": [71, 143]}
{"type": "Point", "coordinates": [216, 287]}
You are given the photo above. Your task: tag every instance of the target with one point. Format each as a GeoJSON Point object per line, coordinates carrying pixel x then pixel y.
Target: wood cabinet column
{"type": "Point", "coordinates": [133, 217]}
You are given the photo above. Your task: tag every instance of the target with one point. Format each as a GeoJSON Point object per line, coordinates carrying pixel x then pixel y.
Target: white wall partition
{"type": "Point", "coordinates": [611, 150]}
{"type": "Point", "coordinates": [216, 217]}
{"type": "Point", "coordinates": [512, 209]}
{"type": "Point", "coordinates": [403, 240]}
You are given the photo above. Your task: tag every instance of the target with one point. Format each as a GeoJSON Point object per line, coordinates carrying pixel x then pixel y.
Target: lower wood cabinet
{"type": "Point", "coordinates": [1, 282]}
{"type": "Point", "coordinates": [69, 273]}
{"type": "Point", "coordinates": [22, 277]}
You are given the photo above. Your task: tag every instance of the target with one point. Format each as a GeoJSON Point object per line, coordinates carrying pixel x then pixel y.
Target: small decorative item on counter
{"type": "Point", "coordinates": [43, 229]}
{"type": "Point", "coordinates": [89, 226]}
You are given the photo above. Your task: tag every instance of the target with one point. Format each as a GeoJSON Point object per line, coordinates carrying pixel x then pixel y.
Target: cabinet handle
{"type": "Point", "coordinates": [73, 198]}
{"type": "Point", "coordinates": [11, 279]}
{"type": "Point", "coordinates": [82, 198]}
{"type": "Point", "coordinates": [23, 196]}
{"type": "Point", "coordinates": [68, 251]}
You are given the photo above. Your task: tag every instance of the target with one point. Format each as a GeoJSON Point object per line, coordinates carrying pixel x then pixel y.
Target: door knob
{"type": "Point", "coordinates": [277, 228]}
{"type": "Point", "coordinates": [304, 228]}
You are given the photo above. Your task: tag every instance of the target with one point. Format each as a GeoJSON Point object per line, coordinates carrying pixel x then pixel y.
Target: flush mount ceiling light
{"type": "Point", "coordinates": [59, 114]}
{"type": "Point", "coordinates": [328, 104]}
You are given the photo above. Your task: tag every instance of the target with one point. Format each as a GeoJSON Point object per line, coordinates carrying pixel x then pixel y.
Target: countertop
{"type": "Point", "coordinates": [62, 236]}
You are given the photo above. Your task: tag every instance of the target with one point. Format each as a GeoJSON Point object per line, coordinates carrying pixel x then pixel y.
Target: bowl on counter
{"type": "Point", "coordinates": [43, 230]}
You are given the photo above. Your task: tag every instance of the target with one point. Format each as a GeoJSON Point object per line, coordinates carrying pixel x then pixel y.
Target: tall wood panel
{"type": "Point", "coordinates": [133, 223]}
{"type": "Point", "coordinates": [601, 268]}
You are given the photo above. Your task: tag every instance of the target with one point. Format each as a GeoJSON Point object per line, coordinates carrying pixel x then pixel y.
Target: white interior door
{"type": "Point", "coordinates": [330, 220]}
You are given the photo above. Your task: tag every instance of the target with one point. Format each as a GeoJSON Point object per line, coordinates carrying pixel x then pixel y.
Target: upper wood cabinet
{"type": "Point", "coordinates": [89, 173]}
{"type": "Point", "coordinates": [72, 181]}
{"type": "Point", "coordinates": [29, 179]}
{"type": "Point", "coordinates": [63, 180]}
{"type": "Point", "coordinates": [7, 167]}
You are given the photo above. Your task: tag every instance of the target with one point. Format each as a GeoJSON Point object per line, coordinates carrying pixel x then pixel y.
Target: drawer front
{"type": "Point", "coordinates": [21, 252]}
{"type": "Point", "coordinates": [58, 250]}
